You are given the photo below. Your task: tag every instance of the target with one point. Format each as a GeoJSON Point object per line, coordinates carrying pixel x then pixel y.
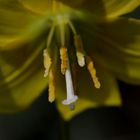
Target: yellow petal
{"type": "Point", "coordinates": [17, 25]}
{"type": "Point", "coordinates": [98, 8]}
{"type": "Point", "coordinates": [36, 6]}
{"type": "Point", "coordinates": [89, 97]}
{"type": "Point", "coordinates": [107, 8]}
{"type": "Point", "coordinates": [119, 7]}
{"type": "Point", "coordinates": [116, 45]}
{"type": "Point", "coordinates": [21, 76]}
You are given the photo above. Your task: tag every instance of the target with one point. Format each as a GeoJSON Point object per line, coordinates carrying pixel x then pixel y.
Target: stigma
{"type": "Point", "coordinates": [63, 40]}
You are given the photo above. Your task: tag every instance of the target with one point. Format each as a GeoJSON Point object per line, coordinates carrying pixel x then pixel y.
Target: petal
{"type": "Point", "coordinates": [119, 7]}
{"type": "Point", "coordinates": [20, 72]}
{"type": "Point", "coordinates": [99, 9]}
{"type": "Point", "coordinates": [17, 25]}
{"type": "Point", "coordinates": [21, 45]}
{"type": "Point", "coordinates": [108, 8]}
{"type": "Point", "coordinates": [36, 6]}
{"type": "Point", "coordinates": [89, 97]}
{"type": "Point", "coordinates": [116, 45]}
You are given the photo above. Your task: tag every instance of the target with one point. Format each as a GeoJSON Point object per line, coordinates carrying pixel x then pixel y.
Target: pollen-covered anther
{"type": "Point", "coordinates": [92, 71]}
{"type": "Point", "coordinates": [63, 57]}
{"type": "Point", "coordinates": [80, 53]}
{"type": "Point", "coordinates": [47, 62]}
{"type": "Point", "coordinates": [51, 86]}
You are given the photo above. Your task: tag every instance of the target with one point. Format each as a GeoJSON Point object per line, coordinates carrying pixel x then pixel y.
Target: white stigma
{"type": "Point", "coordinates": [71, 98]}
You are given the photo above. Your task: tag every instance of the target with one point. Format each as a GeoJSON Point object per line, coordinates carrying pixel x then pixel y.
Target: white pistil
{"type": "Point", "coordinates": [71, 98]}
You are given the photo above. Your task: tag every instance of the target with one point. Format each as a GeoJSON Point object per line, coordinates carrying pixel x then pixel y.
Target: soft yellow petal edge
{"type": "Point", "coordinates": [102, 8]}
{"type": "Point", "coordinates": [21, 96]}
{"type": "Point", "coordinates": [116, 8]}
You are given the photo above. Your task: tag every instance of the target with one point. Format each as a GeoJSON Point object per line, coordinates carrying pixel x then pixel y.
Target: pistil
{"type": "Point", "coordinates": [71, 98]}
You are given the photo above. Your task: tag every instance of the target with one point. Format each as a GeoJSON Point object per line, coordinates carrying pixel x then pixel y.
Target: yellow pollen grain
{"type": "Point", "coordinates": [92, 71]}
{"type": "Point", "coordinates": [47, 62]}
{"type": "Point", "coordinates": [51, 97]}
{"type": "Point", "coordinates": [80, 53]}
{"type": "Point", "coordinates": [63, 57]}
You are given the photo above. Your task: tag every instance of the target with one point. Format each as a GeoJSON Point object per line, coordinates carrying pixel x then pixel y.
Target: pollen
{"type": "Point", "coordinates": [51, 86]}
{"type": "Point", "coordinates": [92, 71]}
{"type": "Point", "coordinates": [63, 57]}
{"type": "Point", "coordinates": [47, 62]}
{"type": "Point", "coordinates": [65, 44]}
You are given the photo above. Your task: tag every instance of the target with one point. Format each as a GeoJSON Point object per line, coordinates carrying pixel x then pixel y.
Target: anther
{"type": "Point", "coordinates": [47, 51]}
{"type": "Point", "coordinates": [63, 57]}
{"type": "Point", "coordinates": [80, 53]}
{"type": "Point", "coordinates": [51, 86]}
{"type": "Point", "coordinates": [92, 71]}
{"type": "Point", "coordinates": [47, 62]}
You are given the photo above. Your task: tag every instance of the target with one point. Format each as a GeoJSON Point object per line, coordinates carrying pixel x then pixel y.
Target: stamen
{"type": "Point", "coordinates": [47, 62]}
{"type": "Point", "coordinates": [63, 57]}
{"type": "Point", "coordinates": [80, 53]}
{"type": "Point", "coordinates": [47, 51]}
{"type": "Point", "coordinates": [63, 49]}
{"type": "Point", "coordinates": [50, 36]}
{"type": "Point", "coordinates": [71, 98]}
{"type": "Point", "coordinates": [51, 56]}
{"type": "Point", "coordinates": [51, 86]}
{"type": "Point", "coordinates": [92, 71]}
{"type": "Point", "coordinates": [62, 30]}
{"type": "Point", "coordinates": [71, 27]}
{"type": "Point", "coordinates": [78, 45]}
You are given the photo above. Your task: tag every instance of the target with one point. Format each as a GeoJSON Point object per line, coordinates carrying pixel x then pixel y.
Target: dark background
{"type": "Point", "coordinates": [42, 121]}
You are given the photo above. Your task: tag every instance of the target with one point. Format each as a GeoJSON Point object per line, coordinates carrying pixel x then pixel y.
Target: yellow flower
{"type": "Point", "coordinates": [68, 33]}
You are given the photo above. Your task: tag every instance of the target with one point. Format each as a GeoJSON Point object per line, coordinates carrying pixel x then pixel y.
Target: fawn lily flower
{"type": "Point", "coordinates": [81, 41]}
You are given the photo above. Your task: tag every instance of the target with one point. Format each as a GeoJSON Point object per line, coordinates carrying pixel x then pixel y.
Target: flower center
{"type": "Point", "coordinates": [60, 36]}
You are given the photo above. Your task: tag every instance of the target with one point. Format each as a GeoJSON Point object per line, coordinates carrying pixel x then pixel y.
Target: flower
{"type": "Point", "coordinates": [90, 34]}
